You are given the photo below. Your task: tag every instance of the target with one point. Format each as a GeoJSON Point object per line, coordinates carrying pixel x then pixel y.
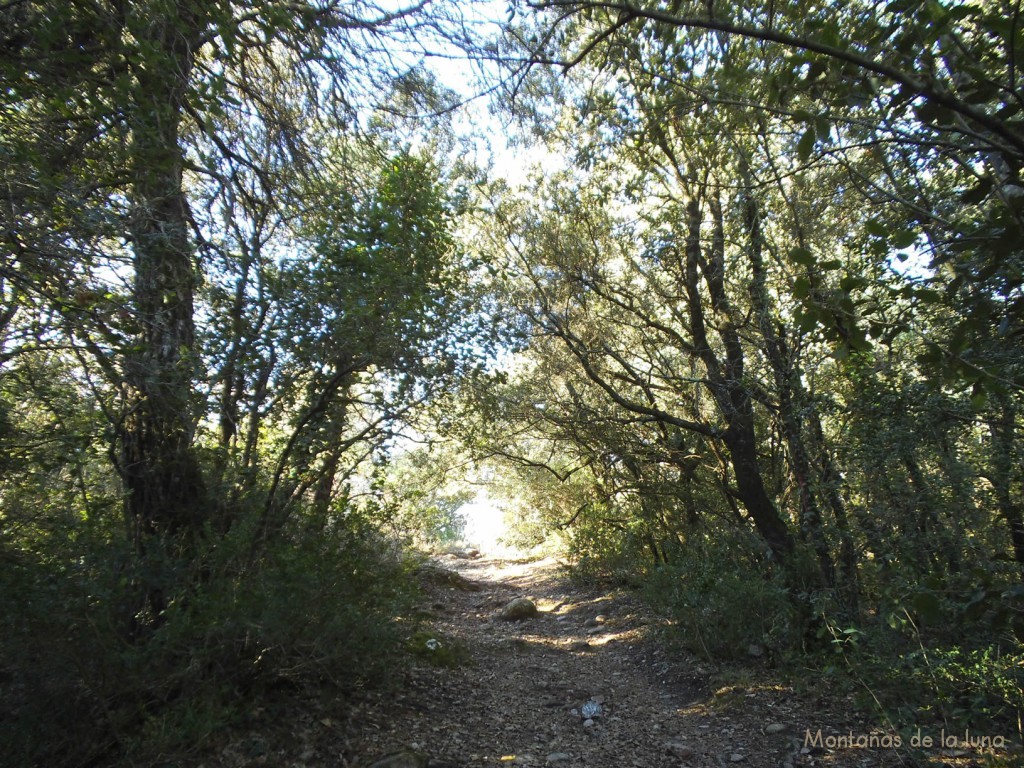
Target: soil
{"type": "Point", "coordinates": [587, 681]}
{"type": "Point", "coordinates": [519, 699]}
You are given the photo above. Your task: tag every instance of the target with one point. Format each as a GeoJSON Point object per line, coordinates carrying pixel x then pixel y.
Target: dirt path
{"type": "Point", "coordinates": [524, 695]}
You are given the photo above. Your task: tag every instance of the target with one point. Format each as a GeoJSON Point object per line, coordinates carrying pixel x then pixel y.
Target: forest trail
{"type": "Point", "coordinates": [524, 689]}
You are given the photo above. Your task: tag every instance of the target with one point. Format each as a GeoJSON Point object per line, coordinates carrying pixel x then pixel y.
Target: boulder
{"type": "Point", "coordinates": [519, 609]}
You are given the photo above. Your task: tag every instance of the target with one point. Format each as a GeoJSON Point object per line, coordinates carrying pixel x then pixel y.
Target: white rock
{"type": "Point", "coordinates": [588, 723]}
{"type": "Point", "coordinates": [775, 728]}
{"type": "Point", "coordinates": [557, 757]}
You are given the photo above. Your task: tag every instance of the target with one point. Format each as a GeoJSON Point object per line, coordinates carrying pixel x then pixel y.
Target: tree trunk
{"type": "Point", "coordinates": [788, 387]}
{"type": "Point", "coordinates": [324, 492]}
{"type": "Point", "coordinates": [317, 432]}
{"type": "Point", "coordinates": [848, 576]}
{"type": "Point", "coordinates": [726, 380]}
{"type": "Point", "coordinates": [742, 443]}
{"type": "Point", "coordinates": [165, 491]}
{"type": "Point", "coordinates": [1003, 430]}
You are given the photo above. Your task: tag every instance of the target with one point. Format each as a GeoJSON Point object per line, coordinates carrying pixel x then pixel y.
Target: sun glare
{"type": "Point", "coordinates": [485, 524]}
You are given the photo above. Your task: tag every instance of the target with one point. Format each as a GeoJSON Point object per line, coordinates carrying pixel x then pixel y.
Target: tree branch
{"type": "Point", "coordinates": [916, 86]}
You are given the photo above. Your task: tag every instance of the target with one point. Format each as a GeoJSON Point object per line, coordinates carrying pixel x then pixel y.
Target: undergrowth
{"type": "Point", "coordinates": [315, 609]}
{"type": "Point", "coordinates": [934, 654]}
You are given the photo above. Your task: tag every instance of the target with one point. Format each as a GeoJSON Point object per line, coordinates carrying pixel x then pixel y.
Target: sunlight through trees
{"type": "Point", "coordinates": [716, 303]}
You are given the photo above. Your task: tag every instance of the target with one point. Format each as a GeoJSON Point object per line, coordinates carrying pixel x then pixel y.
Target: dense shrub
{"type": "Point", "coordinates": [942, 651]}
{"type": "Point", "coordinates": [315, 608]}
{"type": "Point", "coordinates": [721, 601]}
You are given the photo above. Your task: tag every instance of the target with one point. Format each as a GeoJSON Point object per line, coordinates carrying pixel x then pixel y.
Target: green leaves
{"type": "Point", "coordinates": [903, 239]}
{"type": "Point", "coordinates": [831, 307]}
{"type": "Point", "coordinates": [818, 130]}
{"type": "Point", "coordinates": [801, 256]}
{"type": "Point", "coordinates": [890, 238]}
{"type": "Point", "coordinates": [850, 283]}
{"type": "Point", "coordinates": [801, 287]}
{"type": "Point", "coordinates": [805, 146]}
{"type": "Point", "coordinates": [927, 606]}
{"type": "Point", "coordinates": [978, 192]}
{"type": "Point", "coordinates": [380, 283]}
{"type": "Point", "coordinates": [876, 228]}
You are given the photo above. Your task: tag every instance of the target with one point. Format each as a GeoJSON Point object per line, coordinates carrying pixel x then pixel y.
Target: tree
{"type": "Point", "coordinates": [606, 305]}
{"type": "Point", "coordinates": [229, 271]}
{"type": "Point", "coordinates": [116, 116]}
{"type": "Point", "coordinates": [930, 90]}
{"type": "Point", "coordinates": [725, 261]}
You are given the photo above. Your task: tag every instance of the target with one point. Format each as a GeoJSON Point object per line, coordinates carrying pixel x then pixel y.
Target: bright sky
{"type": "Point", "coordinates": [457, 71]}
{"type": "Point", "coordinates": [485, 524]}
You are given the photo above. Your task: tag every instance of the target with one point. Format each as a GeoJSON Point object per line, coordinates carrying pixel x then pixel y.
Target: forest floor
{"type": "Point", "coordinates": [585, 682]}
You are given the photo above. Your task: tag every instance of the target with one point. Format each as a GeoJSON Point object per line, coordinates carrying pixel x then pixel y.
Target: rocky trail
{"type": "Point", "coordinates": [582, 682]}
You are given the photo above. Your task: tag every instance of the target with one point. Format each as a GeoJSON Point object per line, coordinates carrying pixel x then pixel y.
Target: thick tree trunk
{"type": "Point", "coordinates": [165, 493]}
{"type": "Point", "coordinates": [324, 492]}
{"type": "Point", "coordinates": [812, 529]}
{"type": "Point", "coordinates": [742, 443]}
{"type": "Point", "coordinates": [848, 575]}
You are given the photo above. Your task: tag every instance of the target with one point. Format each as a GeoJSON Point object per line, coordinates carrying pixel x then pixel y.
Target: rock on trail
{"type": "Point", "coordinates": [519, 609]}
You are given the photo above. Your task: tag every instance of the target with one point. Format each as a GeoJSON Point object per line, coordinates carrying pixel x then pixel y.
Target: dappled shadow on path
{"type": "Point", "coordinates": [584, 682]}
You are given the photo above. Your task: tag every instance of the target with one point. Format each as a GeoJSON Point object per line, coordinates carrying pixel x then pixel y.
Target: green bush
{"type": "Point", "coordinates": [720, 602]}
{"type": "Point", "coordinates": [59, 651]}
{"type": "Point", "coordinates": [316, 608]}
{"type": "Point", "coordinates": [939, 652]}
{"type": "Point", "coordinates": [977, 688]}
{"type": "Point", "coordinates": [956, 688]}
{"type": "Point", "coordinates": [601, 547]}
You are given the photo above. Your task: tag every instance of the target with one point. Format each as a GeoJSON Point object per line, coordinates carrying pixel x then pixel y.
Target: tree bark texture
{"type": "Point", "coordinates": [162, 476]}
